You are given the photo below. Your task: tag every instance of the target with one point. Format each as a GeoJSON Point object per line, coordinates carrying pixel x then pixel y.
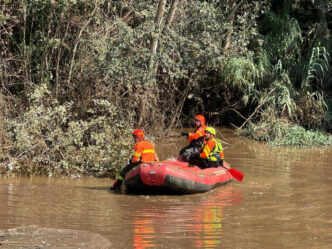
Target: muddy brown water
{"type": "Point", "coordinates": [284, 201]}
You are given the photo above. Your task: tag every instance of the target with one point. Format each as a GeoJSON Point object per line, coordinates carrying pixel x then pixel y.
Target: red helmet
{"type": "Point", "coordinates": [200, 118]}
{"type": "Point", "coordinates": [139, 134]}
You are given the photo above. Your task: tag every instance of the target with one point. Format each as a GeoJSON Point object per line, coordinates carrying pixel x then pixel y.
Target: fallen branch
{"type": "Point", "coordinates": [258, 107]}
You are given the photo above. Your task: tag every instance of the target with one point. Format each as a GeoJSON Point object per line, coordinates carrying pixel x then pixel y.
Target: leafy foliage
{"type": "Point", "coordinates": [48, 135]}
{"type": "Point", "coordinates": [77, 76]}
{"type": "Point", "coordinates": [297, 76]}
{"type": "Point", "coordinates": [280, 132]}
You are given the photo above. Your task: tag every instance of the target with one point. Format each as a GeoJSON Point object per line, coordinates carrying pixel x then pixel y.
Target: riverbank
{"type": "Point", "coordinates": [278, 135]}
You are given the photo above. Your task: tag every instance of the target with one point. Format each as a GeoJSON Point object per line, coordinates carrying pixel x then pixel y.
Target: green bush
{"type": "Point", "coordinates": [48, 134]}
{"type": "Point", "coordinates": [280, 132]}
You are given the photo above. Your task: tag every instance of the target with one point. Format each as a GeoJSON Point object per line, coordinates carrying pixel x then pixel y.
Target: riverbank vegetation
{"type": "Point", "coordinates": [78, 76]}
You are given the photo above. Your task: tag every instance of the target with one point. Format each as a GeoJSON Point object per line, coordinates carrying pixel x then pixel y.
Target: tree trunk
{"type": "Point", "coordinates": [159, 16]}
{"type": "Point", "coordinates": [153, 49]}
{"type": "Point", "coordinates": [169, 20]}
{"type": "Point", "coordinates": [323, 28]}
{"type": "Point", "coordinates": [230, 20]}
{"type": "Point", "coordinates": [171, 13]}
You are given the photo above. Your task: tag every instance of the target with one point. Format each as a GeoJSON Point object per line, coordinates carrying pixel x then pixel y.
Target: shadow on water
{"type": "Point", "coordinates": [96, 188]}
{"type": "Point", "coordinates": [105, 189]}
{"type": "Point", "coordinates": [147, 192]}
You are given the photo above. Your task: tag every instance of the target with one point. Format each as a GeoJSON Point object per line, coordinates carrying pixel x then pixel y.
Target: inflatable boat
{"type": "Point", "coordinates": [175, 177]}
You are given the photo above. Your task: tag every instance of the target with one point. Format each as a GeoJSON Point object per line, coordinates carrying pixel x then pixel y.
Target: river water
{"type": "Point", "coordinates": [284, 201]}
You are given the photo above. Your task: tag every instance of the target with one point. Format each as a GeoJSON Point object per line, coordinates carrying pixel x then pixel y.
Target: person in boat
{"type": "Point", "coordinates": [211, 154]}
{"type": "Point", "coordinates": [144, 152]}
{"type": "Point", "coordinates": [195, 139]}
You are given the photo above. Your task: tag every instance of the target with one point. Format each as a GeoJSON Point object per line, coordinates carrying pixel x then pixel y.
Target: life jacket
{"type": "Point", "coordinates": [197, 137]}
{"type": "Point", "coordinates": [144, 152]}
{"type": "Point", "coordinates": [214, 154]}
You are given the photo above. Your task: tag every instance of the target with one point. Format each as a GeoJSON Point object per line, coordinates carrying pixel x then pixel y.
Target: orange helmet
{"type": "Point", "coordinates": [139, 134]}
{"type": "Point", "coordinates": [200, 118]}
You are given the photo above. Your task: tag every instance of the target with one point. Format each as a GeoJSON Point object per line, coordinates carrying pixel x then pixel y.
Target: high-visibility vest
{"type": "Point", "coordinates": [198, 135]}
{"type": "Point", "coordinates": [144, 152]}
{"type": "Point", "coordinates": [215, 154]}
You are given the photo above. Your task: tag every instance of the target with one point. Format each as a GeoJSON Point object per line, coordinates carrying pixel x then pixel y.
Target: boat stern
{"type": "Point", "coordinates": [146, 176]}
{"type": "Point", "coordinates": [153, 174]}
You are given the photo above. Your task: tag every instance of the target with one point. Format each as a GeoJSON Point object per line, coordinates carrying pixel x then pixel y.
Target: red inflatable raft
{"type": "Point", "coordinates": [175, 177]}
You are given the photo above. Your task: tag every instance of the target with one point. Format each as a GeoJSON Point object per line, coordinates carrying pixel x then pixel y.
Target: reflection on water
{"type": "Point", "coordinates": [284, 201]}
{"type": "Point", "coordinates": [202, 222]}
{"type": "Point", "coordinates": [208, 225]}
{"type": "Point", "coordinates": [143, 233]}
